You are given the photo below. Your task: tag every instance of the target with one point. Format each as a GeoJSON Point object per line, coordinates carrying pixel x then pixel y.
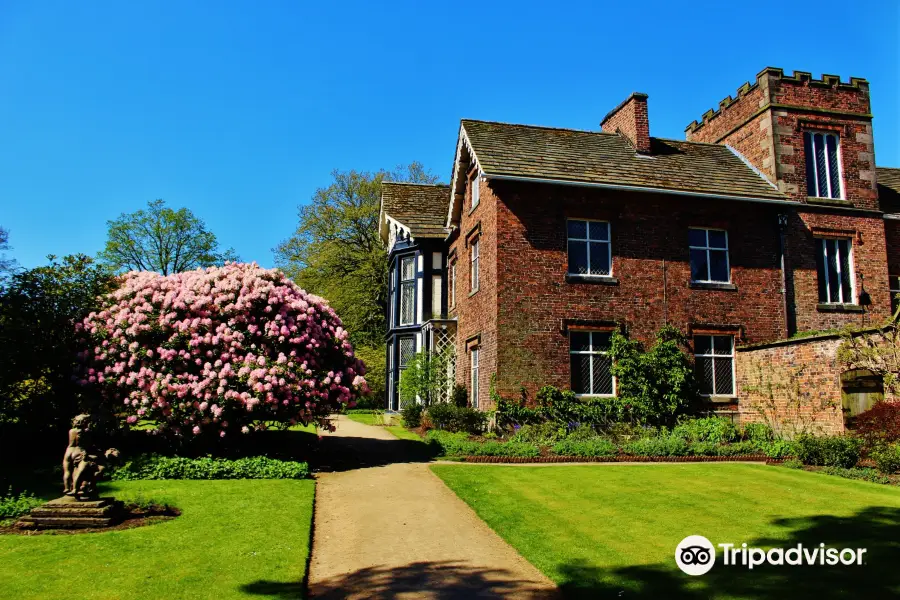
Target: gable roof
{"type": "Point", "coordinates": [420, 209]}
{"type": "Point", "coordinates": [888, 189]}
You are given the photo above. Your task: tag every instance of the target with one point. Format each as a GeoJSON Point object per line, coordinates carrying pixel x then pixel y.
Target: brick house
{"type": "Point", "coordinates": [771, 218]}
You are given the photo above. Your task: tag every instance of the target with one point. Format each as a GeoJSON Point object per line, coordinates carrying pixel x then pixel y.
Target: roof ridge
{"type": "Point", "coordinates": [539, 126]}
{"type": "Point", "coordinates": [888, 168]}
{"type": "Point", "coordinates": [411, 183]}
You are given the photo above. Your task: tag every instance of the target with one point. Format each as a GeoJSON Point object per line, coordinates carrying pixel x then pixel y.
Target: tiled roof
{"type": "Point", "coordinates": [608, 158]}
{"type": "Point", "coordinates": [421, 208]}
{"type": "Point", "coordinates": [888, 189]}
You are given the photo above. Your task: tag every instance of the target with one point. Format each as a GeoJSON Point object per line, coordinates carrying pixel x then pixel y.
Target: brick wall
{"type": "Point", "coordinates": [794, 387]}
{"type": "Point", "coordinates": [650, 261]}
{"type": "Point", "coordinates": [869, 261]}
{"type": "Point", "coordinates": [477, 313]}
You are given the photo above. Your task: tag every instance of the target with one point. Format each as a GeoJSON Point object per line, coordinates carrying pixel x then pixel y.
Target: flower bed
{"type": "Point", "coordinates": [618, 458]}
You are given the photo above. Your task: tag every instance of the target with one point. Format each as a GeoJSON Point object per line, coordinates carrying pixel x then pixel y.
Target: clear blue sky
{"type": "Point", "coordinates": [240, 110]}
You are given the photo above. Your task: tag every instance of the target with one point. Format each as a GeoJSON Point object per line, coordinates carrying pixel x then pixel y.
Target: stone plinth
{"type": "Point", "coordinates": [70, 513]}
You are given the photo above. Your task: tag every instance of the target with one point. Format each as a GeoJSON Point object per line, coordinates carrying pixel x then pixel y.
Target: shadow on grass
{"type": "Point", "coordinates": [877, 529]}
{"type": "Point", "coordinates": [443, 580]}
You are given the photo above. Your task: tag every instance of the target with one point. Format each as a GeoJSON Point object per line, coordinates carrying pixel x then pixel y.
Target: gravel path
{"type": "Point", "coordinates": [396, 531]}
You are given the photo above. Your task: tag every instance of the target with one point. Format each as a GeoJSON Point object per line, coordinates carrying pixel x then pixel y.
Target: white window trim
{"type": "Point", "coordinates": [400, 282]}
{"type": "Point", "coordinates": [813, 132]}
{"type": "Point", "coordinates": [588, 244]}
{"type": "Point", "coordinates": [838, 262]}
{"type": "Point", "coordinates": [474, 373]}
{"type": "Point", "coordinates": [474, 264]}
{"type": "Point", "coordinates": [714, 356]}
{"type": "Point", "coordinates": [476, 191]}
{"type": "Point", "coordinates": [592, 353]}
{"type": "Point", "coordinates": [707, 248]}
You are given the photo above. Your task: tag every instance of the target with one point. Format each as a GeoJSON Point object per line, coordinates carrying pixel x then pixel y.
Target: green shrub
{"type": "Point", "coordinates": [581, 432]}
{"type": "Point", "coordinates": [887, 458]}
{"type": "Point", "coordinates": [449, 417]}
{"type": "Point", "coordinates": [759, 433]}
{"type": "Point", "coordinates": [659, 446]}
{"type": "Point", "coordinates": [543, 434]}
{"type": "Point", "coordinates": [864, 474]}
{"type": "Point", "coordinates": [778, 448]}
{"type": "Point", "coordinates": [459, 444]}
{"type": "Point", "coordinates": [829, 451]}
{"type": "Point", "coordinates": [153, 466]}
{"type": "Point", "coordinates": [12, 506]}
{"type": "Point", "coordinates": [792, 464]}
{"type": "Point", "coordinates": [460, 396]}
{"type": "Point", "coordinates": [591, 447]}
{"type": "Point", "coordinates": [710, 429]}
{"type": "Point", "coordinates": [411, 414]}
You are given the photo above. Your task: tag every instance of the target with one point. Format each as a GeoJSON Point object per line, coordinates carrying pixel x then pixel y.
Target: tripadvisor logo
{"type": "Point", "coordinates": [696, 555]}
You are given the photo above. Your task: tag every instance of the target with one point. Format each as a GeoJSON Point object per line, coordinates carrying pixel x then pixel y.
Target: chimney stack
{"type": "Point", "coordinates": [631, 120]}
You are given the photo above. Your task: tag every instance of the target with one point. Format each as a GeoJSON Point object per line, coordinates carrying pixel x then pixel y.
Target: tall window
{"type": "Point", "coordinates": [473, 391]}
{"type": "Point", "coordinates": [894, 285]}
{"type": "Point", "coordinates": [835, 269]}
{"type": "Point", "coordinates": [709, 255]}
{"type": "Point", "coordinates": [476, 192]}
{"type": "Point", "coordinates": [823, 171]}
{"type": "Point", "coordinates": [714, 360]}
{"type": "Point", "coordinates": [590, 363]}
{"type": "Point", "coordinates": [407, 290]}
{"type": "Point", "coordinates": [436, 308]}
{"type": "Point", "coordinates": [590, 251]}
{"type": "Point", "coordinates": [473, 252]}
{"type": "Point", "coordinates": [452, 284]}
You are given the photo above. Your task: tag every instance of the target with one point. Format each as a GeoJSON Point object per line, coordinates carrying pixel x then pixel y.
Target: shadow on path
{"type": "Point", "coordinates": [438, 580]}
{"type": "Point", "coordinates": [344, 453]}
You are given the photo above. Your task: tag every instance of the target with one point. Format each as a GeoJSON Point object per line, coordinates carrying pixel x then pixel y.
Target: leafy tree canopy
{"type": "Point", "coordinates": [38, 311]}
{"type": "Point", "coordinates": [162, 239]}
{"type": "Point", "coordinates": [6, 264]}
{"type": "Point", "coordinates": [336, 253]}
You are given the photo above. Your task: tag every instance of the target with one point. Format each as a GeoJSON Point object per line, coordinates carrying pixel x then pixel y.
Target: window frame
{"type": "Point", "coordinates": [452, 291]}
{"type": "Point", "coordinates": [400, 284]}
{"type": "Point", "coordinates": [587, 240]}
{"type": "Point", "coordinates": [713, 356]}
{"type": "Point", "coordinates": [474, 374]}
{"type": "Point", "coordinates": [474, 264]}
{"type": "Point", "coordinates": [475, 192]}
{"type": "Point", "coordinates": [840, 166]}
{"type": "Point", "coordinates": [591, 353]}
{"type": "Point", "coordinates": [850, 265]}
{"type": "Point", "coordinates": [707, 249]}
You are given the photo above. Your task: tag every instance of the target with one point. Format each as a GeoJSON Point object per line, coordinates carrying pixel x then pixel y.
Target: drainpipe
{"type": "Point", "coordinates": [782, 245]}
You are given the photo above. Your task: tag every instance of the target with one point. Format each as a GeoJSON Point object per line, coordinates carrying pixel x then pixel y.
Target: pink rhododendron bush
{"type": "Point", "coordinates": [219, 351]}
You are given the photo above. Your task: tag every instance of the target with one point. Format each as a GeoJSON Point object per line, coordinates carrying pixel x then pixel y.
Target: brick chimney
{"type": "Point", "coordinates": [630, 120]}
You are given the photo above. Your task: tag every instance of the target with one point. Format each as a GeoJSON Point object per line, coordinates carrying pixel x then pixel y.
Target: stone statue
{"type": "Point", "coordinates": [83, 463]}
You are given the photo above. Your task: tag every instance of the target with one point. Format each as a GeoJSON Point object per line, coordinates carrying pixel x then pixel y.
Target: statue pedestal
{"type": "Point", "coordinates": [69, 513]}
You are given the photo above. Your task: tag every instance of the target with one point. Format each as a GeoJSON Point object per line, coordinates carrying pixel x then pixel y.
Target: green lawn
{"type": "Point", "coordinates": [610, 531]}
{"type": "Point", "coordinates": [376, 419]}
{"type": "Point", "coordinates": [235, 539]}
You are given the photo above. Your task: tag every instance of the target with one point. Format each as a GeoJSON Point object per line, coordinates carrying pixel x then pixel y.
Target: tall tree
{"type": "Point", "coordinates": [162, 239]}
{"type": "Point", "coordinates": [336, 253]}
{"type": "Point", "coordinates": [6, 264]}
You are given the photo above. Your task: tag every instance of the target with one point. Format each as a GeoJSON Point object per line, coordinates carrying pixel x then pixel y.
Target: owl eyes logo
{"type": "Point", "coordinates": [695, 555]}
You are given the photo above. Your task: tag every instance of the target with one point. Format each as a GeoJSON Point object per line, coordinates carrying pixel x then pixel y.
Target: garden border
{"type": "Point", "coordinates": [755, 458]}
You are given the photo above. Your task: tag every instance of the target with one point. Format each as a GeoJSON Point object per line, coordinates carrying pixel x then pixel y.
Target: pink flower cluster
{"type": "Point", "coordinates": [217, 350]}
